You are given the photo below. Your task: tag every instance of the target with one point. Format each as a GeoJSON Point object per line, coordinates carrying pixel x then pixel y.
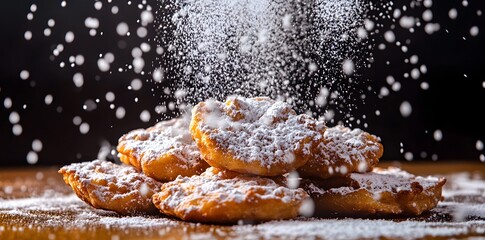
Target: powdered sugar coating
{"type": "Point", "coordinates": [392, 179]}
{"type": "Point", "coordinates": [348, 144]}
{"type": "Point", "coordinates": [163, 151]}
{"type": "Point", "coordinates": [224, 196]}
{"type": "Point", "coordinates": [109, 186]}
{"type": "Point", "coordinates": [381, 180]}
{"type": "Point", "coordinates": [343, 151]}
{"type": "Point", "coordinates": [256, 130]}
{"type": "Point", "coordinates": [166, 137]}
{"type": "Point", "coordinates": [389, 191]}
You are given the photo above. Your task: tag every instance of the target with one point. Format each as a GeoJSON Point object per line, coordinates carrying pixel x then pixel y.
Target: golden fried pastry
{"type": "Point", "coordinates": [163, 151]}
{"type": "Point", "coordinates": [380, 192]}
{"type": "Point", "coordinates": [253, 135]}
{"type": "Point", "coordinates": [221, 196]}
{"type": "Point", "coordinates": [105, 185]}
{"type": "Point", "coordinates": [342, 152]}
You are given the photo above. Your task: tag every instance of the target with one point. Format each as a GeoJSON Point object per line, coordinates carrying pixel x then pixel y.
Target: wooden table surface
{"type": "Point", "coordinates": [36, 204]}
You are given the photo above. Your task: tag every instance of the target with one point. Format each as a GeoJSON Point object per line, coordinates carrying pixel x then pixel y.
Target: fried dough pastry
{"type": "Point", "coordinates": [384, 192]}
{"type": "Point", "coordinates": [163, 151]}
{"type": "Point", "coordinates": [109, 186]}
{"type": "Point", "coordinates": [221, 196]}
{"type": "Point", "coordinates": [253, 135]}
{"type": "Point", "coordinates": [342, 152]}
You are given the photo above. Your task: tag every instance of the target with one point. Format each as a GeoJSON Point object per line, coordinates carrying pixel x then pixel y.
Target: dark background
{"type": "Point", "coordinates": [453, 104]}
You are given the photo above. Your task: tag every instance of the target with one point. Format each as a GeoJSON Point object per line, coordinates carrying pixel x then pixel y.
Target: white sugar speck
{"type": "Point", "coordinates": [32, 157]}
{"type": "Point", "coordinates": [120, 112]}
{"type": "Point", "coordinates": [115, 10]}
{"type": "Point", "coordinates": [428, 3]}
{"type": "Point", "coordinates": [109, 57]}
{"type": "Point", "coordinates": [407, 22]}
{"type": "Point", "coordinates": [37, 145]}
{"type": "Point", "coordinates": [144, 189]}
{"type": "Point", "coordinates": [7, 190]}
{"type": "Point", "coordinates": [7, 103]}
{"type": "Point", "coordinates": [78, 79]}
{"type": "Point", "coordinates": [122, 29]}
{"type": "Point", "coordinates": [69, 38]}
{"type": "Point", "coordinates": [84, 128]}
{"type": "Point", "coordinates": [136, 52]}
{"type": "Point", "coordinates": [48, 99]}
{"type": "Point", "coordinates": [405, 109]}
{"type": "Point", "coordinates": [348, 67]}
{"type": "Point", "coordinates": [474, 31]}
{"type": "Point", "coordinates": [145, 47]}
{"type": "Point", "coordinates": [138, 64]}
{"type": "Point", "coordinates": [362, 167]}
{"type": "Point", "coordinates": [427, 15]}
{"type": "Point", "coordinates": [146, 18]}
{"type": "Point", "coordinates": [389, 36]}
{"type": "Point", "coordinates": [14, 117]}
{"type": "Point", "coordinates": [369, 24]}
{"type": "Point", "coordinates": [77, 120]}
{"type": "Point", "coordinates": [24, 75]}
{"type": "Point", "coordinates": [28, 35]}
{"type": "Point", "coordinates": [51, 23]}
{"type": "Point", "coordinates": [362, 33]}
{"type": "Point", "coordinates": [415, 73]}
{"type": "Point", "coordinates": [33, 8]}
{"type": "Point", "coordinates": [452, 14]}
{"type": "Point", "coordinates": [79, 60]}
{"type": "Point", "coordinates": [384, 92]}
{"type": "Point", "coordinates": [307, 208]}
{"type": "Point", "coordinates": [408, 156]}
{"type": "Point", "coordinates": [414, 59]}
{"type": "Point", "coordinates": [98, 5]}
{"type": "Point", "coordinates": [91, 22]}
{"type": "Point", "coordinates": [479, 145]}
{"type": "Point", "coordinates": [293, 180]}
{"type": "Point", "coordinates": [103, 65]}
{"type": "Point", "coordinates": [424, 85]}
{"type": "Point", "coordinates": [141, 32]}
{"type": "Point", "coordinates": [431, 28]}
{"type": "Point", "coordinates": [157, 75]}
{"type": "Point", "coordinates": [136, 84]}
{"type": "Point", "coordinates": [438, 135]}
{"type": "Point", "coordinates": [482, 157]}
{"type": "Point", "coordinates": [145, 116]}
{"type": "Point", "coordinates": [47, 32]}
{"type": "Point", "coordinates": [17, 129]}
{"type": "Point", "coordinates": [110, 96]}
{"type": "Point", "coordinates": [396, 86]}
{"type": "Point", "coordinates": [390, 80]}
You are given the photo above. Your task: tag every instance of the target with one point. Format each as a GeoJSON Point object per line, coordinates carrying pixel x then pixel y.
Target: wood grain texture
{"type": "Point", "coordinates": [36, 204]}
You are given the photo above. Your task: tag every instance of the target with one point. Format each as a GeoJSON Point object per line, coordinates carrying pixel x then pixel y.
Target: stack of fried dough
{"type": "Point", "coordinates": [250, 159]}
